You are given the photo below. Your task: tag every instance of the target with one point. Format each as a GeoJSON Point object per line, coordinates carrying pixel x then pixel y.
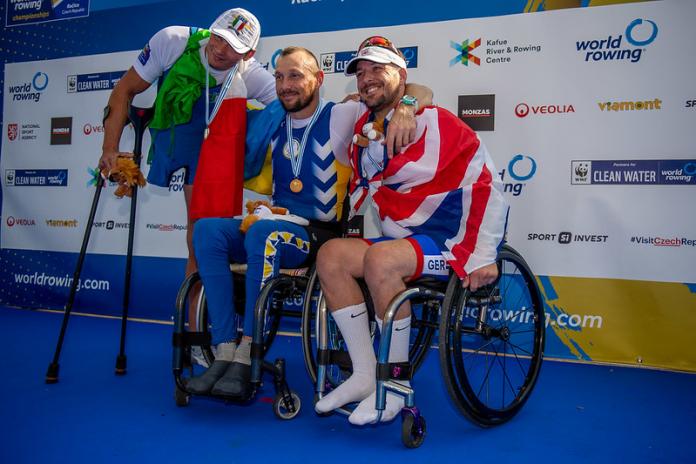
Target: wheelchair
{"type": "Point", "coordinates": [270, 307]}
{"type": "Point", "coordinates": [490, 341]}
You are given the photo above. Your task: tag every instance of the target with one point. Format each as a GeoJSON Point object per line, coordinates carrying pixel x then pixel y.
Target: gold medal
{"type": "Point", "coordinates": [206, 132]}
{"type": "Point", "coordinates": [296, 185]}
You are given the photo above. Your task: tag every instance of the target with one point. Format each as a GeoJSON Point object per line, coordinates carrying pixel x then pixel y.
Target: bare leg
{"type": "Point", "coordinates": [339, 264]}
{"type": "Point", "coordinates": [387, 267]}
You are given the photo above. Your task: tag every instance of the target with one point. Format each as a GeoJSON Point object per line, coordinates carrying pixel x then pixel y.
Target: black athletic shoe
{"type": "Point", "coordinates": [202, 384]}
{"type": "Point", "coordinates": [235, 383]}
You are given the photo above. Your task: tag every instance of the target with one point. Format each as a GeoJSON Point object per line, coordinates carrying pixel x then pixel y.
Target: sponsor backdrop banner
{"type": "Point", "coordinates": [591, 130]}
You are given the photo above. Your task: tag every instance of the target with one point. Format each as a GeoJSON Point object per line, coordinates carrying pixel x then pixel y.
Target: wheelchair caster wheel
{"type": "Point", "coordinates": [181, 398]}
{"type": "Point", "coordinates": [412, 430]}
{"type": "Point", "coordinates": [283, 412]}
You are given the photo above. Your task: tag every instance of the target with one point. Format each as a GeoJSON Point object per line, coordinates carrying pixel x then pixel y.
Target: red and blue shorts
{"type": "Point", "coordinates": [429, 263]}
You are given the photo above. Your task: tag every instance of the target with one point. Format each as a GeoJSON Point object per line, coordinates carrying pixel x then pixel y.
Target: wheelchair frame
{"type": "Point", "coordinates": [452, 328]}
{"type": "Point", "coordinates": [287, 403]}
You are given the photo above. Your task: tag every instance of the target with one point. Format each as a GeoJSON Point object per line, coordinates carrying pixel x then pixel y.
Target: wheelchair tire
{"type": "Point", "coordinates": [283, 412]}
{"type": "Point", "coordinates": [308, 323]}
{"type": "Point", "coordinates": [412, 430]}
{"type": "Point", "coordinates": [491, 370]}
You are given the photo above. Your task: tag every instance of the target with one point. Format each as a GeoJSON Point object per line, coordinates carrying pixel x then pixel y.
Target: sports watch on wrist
{"type": "Point", "coordinates": [410, 100]}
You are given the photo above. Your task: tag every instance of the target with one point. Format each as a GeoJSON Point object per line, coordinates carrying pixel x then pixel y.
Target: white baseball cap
{"type": "Point", "coordinates": [239, 28]}
{"type": "Point", "coordinates": [379, 50]}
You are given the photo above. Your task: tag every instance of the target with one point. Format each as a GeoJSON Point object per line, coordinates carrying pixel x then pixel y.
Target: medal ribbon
{"type": "Point", "coordinates": [296, 159]}
{"type": "Point", "coordinates": [221, 96]}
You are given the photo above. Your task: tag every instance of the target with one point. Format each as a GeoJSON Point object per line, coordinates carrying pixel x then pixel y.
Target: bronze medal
{"type": "Point", "coordinates": [296, 185]}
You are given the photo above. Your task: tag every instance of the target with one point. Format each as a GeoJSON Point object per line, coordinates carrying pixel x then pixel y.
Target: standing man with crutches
{"type": "Point", "coordinates": [196, 68]}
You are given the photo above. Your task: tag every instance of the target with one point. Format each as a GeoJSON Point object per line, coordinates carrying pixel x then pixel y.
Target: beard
{"type": "Point", "coordinates": [301, 103]}
{"type": "Point", "coordinates": [387, 98]}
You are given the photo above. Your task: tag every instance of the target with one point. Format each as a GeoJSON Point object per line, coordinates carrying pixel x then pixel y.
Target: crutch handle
{"type": "Point", "coordinates": [140, 118]}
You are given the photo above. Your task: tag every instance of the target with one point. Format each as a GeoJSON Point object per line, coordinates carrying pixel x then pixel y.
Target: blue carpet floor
{"type": "Point", "coordinates": [577, 414]}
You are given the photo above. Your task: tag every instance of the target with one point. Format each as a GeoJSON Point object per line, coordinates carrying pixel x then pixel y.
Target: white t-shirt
{"type": "Point", "coordinates": [341, 127]}
{"type": "Point", "coordinates": [167, 45]}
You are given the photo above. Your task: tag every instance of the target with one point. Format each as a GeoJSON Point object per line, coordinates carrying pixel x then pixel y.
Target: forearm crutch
{"type": "Point", "coordinates": [140, 118]}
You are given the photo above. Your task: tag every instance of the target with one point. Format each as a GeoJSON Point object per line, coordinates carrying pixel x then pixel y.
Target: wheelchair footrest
{"type": "Point", "coordinates": [394, 371]}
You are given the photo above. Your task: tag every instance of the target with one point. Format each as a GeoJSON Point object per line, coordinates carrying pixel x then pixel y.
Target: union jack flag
{"type": "Point", "coordinates": [443, 185]}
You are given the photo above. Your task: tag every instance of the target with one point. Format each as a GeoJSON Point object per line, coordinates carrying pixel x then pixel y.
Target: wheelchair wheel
{"type": "Point", "coordinates": [492, 341]}
{"type": "Point", "coordinates": [308, 323]}
{"type": "Point", "coordinates": [282, 410]}
{"type": "Point", "coordinates": [424, 322]}
{"type": "Point", "coordinates": [412, 430]}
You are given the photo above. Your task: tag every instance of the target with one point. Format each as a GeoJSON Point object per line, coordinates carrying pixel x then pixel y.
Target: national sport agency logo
{"type": "Point", "coordinates": [12, 131]}
{"type": "Point", "coordinates": [639, 34]}
{"type": "Point", "coordinates": [464, 50]}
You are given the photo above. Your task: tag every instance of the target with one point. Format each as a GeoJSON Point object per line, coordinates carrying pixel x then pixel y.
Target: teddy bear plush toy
{"type": "Point", "coordinates": [371, 132]}
{"type": "Point", "coordinates": [127, 174]}
{"type": "Point", "coordinates": [260, 209]}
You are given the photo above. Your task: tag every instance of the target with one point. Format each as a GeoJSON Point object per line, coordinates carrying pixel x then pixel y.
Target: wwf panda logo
{"type": "Point", "coordinates": [581, 170]}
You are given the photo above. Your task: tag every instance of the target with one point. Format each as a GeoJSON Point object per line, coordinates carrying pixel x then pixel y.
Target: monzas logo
{"type": "Point", "coordinates": [521, 169]}
{"type": "Point", "coordinates": [638, 34]}
{"type": "Point", "coordinates": [30, 91]}
{"type": "Point", "coordinates": [478, 111]}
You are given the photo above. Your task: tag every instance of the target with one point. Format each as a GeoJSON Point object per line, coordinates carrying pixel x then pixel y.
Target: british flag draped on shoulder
{"type": "Point", "coordinates": [443, 185]}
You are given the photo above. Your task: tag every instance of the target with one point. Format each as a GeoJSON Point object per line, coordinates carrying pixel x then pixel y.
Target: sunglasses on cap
{"type": "Point", "coordinates": [379, 41]}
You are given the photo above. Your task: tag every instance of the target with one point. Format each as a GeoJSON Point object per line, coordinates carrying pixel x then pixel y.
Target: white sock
{"type": "Point", "coordinates": [243, 353]}
{"type": "Point", "coordinates": [366, 413]}
{"type": "Point", "coordinates": [225, 351]}
{"type": "Point", "coordinates": [354, 324]}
